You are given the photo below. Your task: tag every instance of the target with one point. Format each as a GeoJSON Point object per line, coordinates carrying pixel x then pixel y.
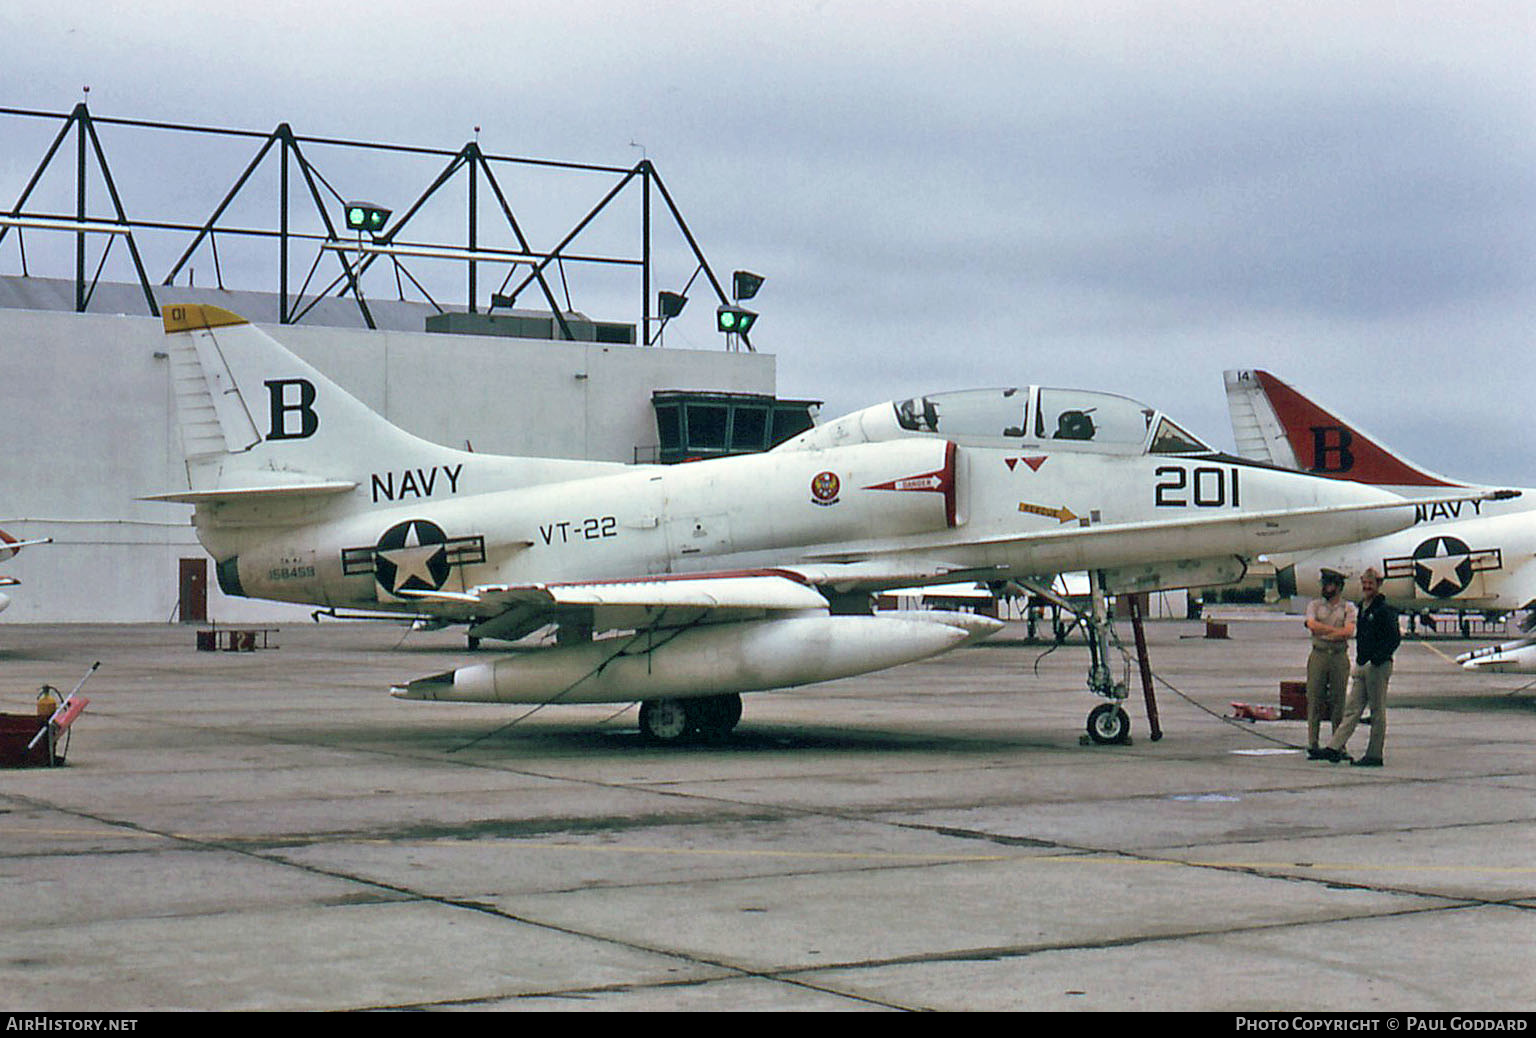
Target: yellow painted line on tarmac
{"type": "Point", "coordinates": [1442, 655]}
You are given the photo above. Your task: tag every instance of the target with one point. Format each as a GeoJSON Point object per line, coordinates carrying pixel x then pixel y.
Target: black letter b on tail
{"type": "Point", "coordinates": [282, 427]}
{"type": "Point", "coordinates": [1330, 449]}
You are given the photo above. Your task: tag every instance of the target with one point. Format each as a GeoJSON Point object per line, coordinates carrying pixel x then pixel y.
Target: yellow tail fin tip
{"type": "Point", "coordinates": [190, 317]}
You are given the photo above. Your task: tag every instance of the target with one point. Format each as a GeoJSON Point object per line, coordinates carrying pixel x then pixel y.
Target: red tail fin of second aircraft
{"type": "Point", "coordinates": [1274, 422]}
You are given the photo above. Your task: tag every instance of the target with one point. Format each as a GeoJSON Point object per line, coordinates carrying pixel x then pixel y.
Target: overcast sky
{"type": "Point", "coordinates": [1125, 196]}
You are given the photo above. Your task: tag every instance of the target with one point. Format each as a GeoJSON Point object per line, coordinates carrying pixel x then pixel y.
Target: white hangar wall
{"type": "Point", "coordinates": [92, 427]}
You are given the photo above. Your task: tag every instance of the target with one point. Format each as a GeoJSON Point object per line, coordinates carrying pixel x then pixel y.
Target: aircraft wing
{"type": "Point", "coordinates": [9, 545]}
{"type": "Point", "coordinates": [1071, 548]}
{"type": "Point", "coordinates": [511, 611]}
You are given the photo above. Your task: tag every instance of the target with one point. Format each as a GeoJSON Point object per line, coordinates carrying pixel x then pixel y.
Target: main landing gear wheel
{"type": "Point", "coordinates": [673, 720]}
{"type": "Point", "coordinates": [1109, 723]}
{"type": "Point", "coordinates": [713, 717]}
{"type": "Point", "coordinates": [664, 720]}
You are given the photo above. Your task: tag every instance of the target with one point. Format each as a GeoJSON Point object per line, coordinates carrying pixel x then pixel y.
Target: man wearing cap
{"type": "Point", "coordinates": [1331, 619]}
{"type": "Point", "coordinates": [1379, 638]}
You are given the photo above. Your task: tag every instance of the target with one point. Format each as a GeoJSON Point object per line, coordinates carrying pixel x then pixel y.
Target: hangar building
{"type": "Point", "coordinates": [87, 395]}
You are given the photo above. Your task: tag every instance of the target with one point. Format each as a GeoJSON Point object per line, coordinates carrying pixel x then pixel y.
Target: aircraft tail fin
{"type": "Point", "coordinates": [1275, 423]}
{"type": "Point", "coordinates": [259, 426]}
{"type": "Point", "coordinates": [253, 415]}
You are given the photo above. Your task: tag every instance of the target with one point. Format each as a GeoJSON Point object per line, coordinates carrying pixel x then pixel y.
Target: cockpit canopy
{"type": "Point", "coordinates": [1062, 419]}
{"type": "Point", "coordinates": [1042, 413]}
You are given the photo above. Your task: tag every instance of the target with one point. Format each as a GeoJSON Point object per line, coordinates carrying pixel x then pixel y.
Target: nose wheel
{"type": "Point", "coordinates": [1109, 723]}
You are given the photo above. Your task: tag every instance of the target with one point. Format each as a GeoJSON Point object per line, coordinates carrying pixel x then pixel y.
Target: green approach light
{"type": "Point", "coordinates": [734, 319]}
{"type": "Point", "coordinates": [366, 216]}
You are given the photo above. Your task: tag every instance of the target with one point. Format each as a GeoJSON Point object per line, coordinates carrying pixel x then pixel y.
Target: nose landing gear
{"type": "Point", "coordinates": [1108, 723]}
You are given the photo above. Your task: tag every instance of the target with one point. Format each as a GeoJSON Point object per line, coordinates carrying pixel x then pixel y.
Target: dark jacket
{"type": "Point", "coordinates": [1376, 632]}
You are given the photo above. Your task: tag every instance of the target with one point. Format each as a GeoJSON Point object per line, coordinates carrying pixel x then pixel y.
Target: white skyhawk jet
{"type": "Point", "coordinates": [1471, 555]}
{"type": "Point", "coordinates": [711, 579]}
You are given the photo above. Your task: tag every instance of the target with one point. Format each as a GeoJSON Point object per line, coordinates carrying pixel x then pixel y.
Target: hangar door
{"type": "Point", "coordinates": [192, 585]}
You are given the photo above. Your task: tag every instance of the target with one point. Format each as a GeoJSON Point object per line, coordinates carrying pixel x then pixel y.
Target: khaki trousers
{"type": "Point", "coordinates": [1327, 680]}
{"type": "Point", "coordinates": [1367, 689]}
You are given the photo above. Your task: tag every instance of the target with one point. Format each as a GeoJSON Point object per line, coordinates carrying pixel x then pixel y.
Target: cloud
{"type": "Point", "coordinates": [1127, 194]}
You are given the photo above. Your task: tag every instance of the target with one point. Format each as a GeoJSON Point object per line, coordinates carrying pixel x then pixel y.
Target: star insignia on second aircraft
{"type": "Point", "coordinates": [1442, 566]}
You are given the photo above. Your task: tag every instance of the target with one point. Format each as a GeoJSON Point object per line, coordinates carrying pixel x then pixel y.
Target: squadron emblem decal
{"type": "Point", "coordinates": [825, 487]}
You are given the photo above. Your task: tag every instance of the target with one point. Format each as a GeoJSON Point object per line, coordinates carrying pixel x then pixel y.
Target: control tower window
{"type": "Point", "coordinates": [706, 427]}
{"type": "Point", "coordinates": [669, 426]}
{"type": "Point", "coordinates": [789, 421]}
{"type": "Point", "coordinates": [708, 424]}
{"type": "Point", "coordinates": [749, 428]}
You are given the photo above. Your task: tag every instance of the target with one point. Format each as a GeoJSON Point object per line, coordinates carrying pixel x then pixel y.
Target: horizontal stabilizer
{"type": "Point", "coordinates": [290, 490]}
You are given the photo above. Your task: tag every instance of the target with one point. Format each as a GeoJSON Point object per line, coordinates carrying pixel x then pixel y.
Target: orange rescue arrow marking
{"type": "Point", "coordinates": [1062, 514]}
